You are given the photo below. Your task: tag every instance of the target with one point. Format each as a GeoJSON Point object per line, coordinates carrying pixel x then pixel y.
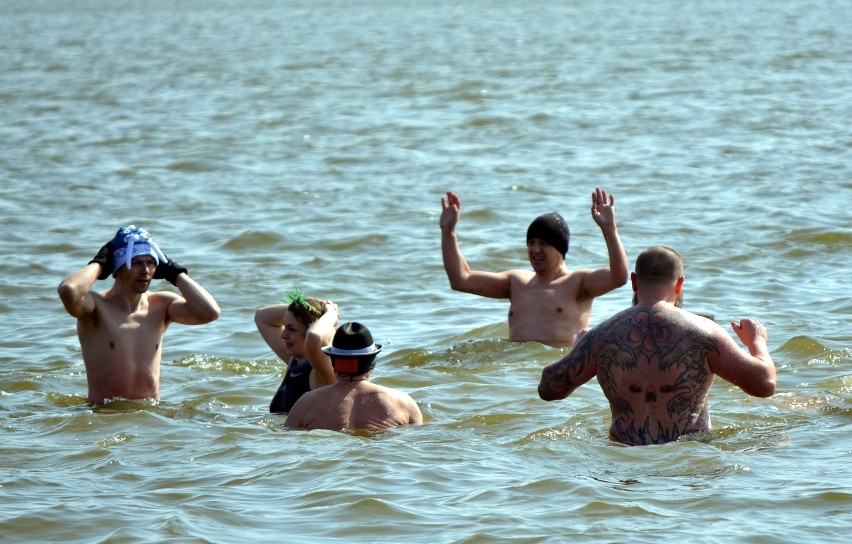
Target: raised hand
{"type": "Point", "coordinates": [331, 307]}
{"type": "Point", "coordinates": [105, 259]}
{"type": "Point", "coordinates": [168, 270]}
{"type": "Point", "coordinates": [450, 211]}
{"type": "Point", "coordinates": [749, 330]}
{"type": "Point", "coordinates": [603, 208]}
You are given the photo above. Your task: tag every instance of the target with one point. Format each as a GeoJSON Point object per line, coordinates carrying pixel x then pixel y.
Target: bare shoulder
{"type": "Point", "coordinates": [160, 297]}
{"type": "Point", "coordinates": [93, 315]}
{"type": "Point", "coordinates": [160, 306]}
{"type": "Point", "coordinates": [98, 297]}
{"type": "Point", "coordinates": [406, 407]}
{"type": "Point", "coordinates": [725, 348]}
{"type": "Point", "coordinates": [307, 404]}
{"type": "Point", "coordinates": [388, 393]}
{"type": "Point", "coordinates": [517, 274]}
{"type": "Point", "coordinates": [572, 280]}
{"type": "Point", "coordinates": [310, 398]}
{"type": "Point", "coordinates": [160, 300]}
{"type": "Point", "coordinates": [517, 280]}
{"type": "Point", "coordinates": [400, 394]}
{"type": "Point", "coordinates": [707, 328]}
{"type": "Point", "coordinates": [572, 277]}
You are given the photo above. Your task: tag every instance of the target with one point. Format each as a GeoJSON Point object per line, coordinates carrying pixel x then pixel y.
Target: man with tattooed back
{"type": "Point", "coordinates": [656, 362]}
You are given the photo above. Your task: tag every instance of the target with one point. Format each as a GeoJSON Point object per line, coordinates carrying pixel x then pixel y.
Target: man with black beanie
{"type": "Point", "coordinates": [549, 304]}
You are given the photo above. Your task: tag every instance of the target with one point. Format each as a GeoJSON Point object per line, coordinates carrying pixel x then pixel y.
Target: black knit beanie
{"type": "Point", "coordinates": [551, 228]}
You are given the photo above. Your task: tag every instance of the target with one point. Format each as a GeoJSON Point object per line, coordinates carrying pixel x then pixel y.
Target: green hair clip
{"type": "Point", "coordinates": [295, 297]}
{"type": "Point", "coordinates": [298, 301]}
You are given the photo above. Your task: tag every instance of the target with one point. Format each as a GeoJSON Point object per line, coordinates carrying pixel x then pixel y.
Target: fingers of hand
{"type": "Point", "coordinates": [601, 198]}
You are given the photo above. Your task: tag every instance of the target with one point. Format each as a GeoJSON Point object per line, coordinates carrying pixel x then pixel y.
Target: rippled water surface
{"type": "Point", "coordinates": [269, 144]}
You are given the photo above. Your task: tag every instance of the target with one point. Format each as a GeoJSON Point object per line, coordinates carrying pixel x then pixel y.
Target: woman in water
{"type": "Point", "coordinates": [296, 332]}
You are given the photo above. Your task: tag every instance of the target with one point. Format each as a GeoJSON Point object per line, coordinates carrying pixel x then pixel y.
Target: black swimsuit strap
{"type": "Point", "coordinates": [297, 368]}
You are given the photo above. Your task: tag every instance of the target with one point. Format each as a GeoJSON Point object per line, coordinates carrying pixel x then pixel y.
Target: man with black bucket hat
{"type": "Point", "coordinates": [353, 403]}
{"type": "Point", "coordinates": [550, 303]}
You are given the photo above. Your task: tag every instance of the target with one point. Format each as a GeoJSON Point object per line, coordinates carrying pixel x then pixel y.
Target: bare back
{"type": "Point", "coordinates": [551, 312]}
{"type": "Point", "coordinates": [354, 405]}
{"type": "Point", "coordinates": [122, 349]}
{"type": "Point", "coordinates": [656, 362]}
{"type": "Point", "coordinates": [653, 365]}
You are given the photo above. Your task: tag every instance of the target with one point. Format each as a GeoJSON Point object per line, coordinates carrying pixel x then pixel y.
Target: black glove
{"type": "Point", "coordinates": [168, 271]}
{"type": "Point", "coordinates": [105, 259]}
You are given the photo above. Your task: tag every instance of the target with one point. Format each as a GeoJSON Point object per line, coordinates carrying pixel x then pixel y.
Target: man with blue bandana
{"type": "Point", "coordinates": [551, 303]}
{"type": "Point", "coordinates": [121, 330]}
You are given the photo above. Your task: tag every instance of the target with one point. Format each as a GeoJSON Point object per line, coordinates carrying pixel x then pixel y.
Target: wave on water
{"type": "Point", "coordinates": [253, 239]}
{"type": "Point", "coordinates": [197, 166]}
{"type": "Point", "coordinates": [227, 365]}
{"type": "Point", "coordinates": [802, 347]}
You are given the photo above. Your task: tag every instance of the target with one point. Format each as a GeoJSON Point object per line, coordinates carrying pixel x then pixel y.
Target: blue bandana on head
{"type": "Point", "coordinates": [132, 241]}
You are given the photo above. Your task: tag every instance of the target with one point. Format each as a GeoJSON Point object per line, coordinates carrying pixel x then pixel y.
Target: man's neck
{"type": "Point", "coordinates": [652, 299]}
{"type": "Point", "coordinates": [349, 379]}
{"type": "Point", "coordinates": [552, 273]}
{"type": "Point", "coordinates": [125, 297]}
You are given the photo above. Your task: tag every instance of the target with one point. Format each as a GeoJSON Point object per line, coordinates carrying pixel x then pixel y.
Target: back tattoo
{"type": "Point", "coordinates": [652, 365]}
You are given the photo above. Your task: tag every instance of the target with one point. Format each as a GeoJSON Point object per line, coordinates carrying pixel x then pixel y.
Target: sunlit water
{"type": "Point", "coordinates": [268, 145]}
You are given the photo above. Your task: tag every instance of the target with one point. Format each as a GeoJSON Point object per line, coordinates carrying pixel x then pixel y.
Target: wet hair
{"type": "Point", "coordinates": [306, 310]}
{"type": "Point", "coordinates": [658, 264]}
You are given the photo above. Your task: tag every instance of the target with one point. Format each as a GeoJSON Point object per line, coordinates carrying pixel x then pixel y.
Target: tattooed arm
{"type": "Point", "coordinates": [560, 379]}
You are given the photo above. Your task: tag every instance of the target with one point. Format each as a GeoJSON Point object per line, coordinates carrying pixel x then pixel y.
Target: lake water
{"type": "Point", "coordinates": [273, 144]}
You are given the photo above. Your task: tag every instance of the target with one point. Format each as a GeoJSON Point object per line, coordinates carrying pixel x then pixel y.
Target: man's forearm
{"type": "Point", "coordinates": [454, 262]}
{"type": "Point", "coordinates": [200, 302]}
{"type": "Point", "coordinates": [618, 265]}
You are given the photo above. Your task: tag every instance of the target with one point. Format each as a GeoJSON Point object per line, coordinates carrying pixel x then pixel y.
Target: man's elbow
{"type": "Point", "coordinates": [71, 299]}
{"type": "Point", "coordinates": [758, 387]}
{"type": "Point", "coordinates": [619, 277]}
{"type": "Point", "coordinates": [66, 293]}
{"type": "Point", "coordinates": [459, 284]}
{"type": "Point", "coordinates": [546, 393]}
{"type": "Point", "coordinates": [555, 389]}
{"type": "Point", "coordinates": [456, 286]}
{"type": "Point", "coordinates": [764, 389]}
{"type": "Point", "coordinates": [456, 280]}
{"type": "Point", "coordinates": [210, 314]}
